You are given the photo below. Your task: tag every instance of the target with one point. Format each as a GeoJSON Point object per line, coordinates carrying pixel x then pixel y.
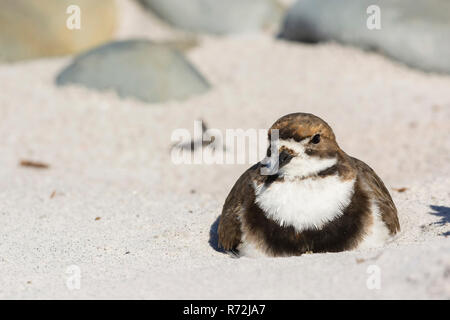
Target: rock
{"type": "Point", "coordinates": [31, 29]}
{"type": "Point", "coordinates": [136, 68]}
{"type": "Point", "coordinates": [414, 32]}
{"type": "Point", "coordinates": [183, 44]}
{"type": "Point", "coordinates": [217, 16]}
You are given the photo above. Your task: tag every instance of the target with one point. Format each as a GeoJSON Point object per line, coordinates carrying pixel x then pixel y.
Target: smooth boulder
{"type": "Point", "coordinates": [217, 16]}
{"type": "Point", "coordinates": [141, 69]}
{"type": "Point", "coordinates": [33, 29]}
{"type": "Point", "coordinates": [414, 32]}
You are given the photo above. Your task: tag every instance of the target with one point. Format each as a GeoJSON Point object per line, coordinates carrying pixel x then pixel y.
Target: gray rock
{"type": "Point", "coordinates": [415, 32]}
{"type": "Point", "coordinates": [217, 16]}
{"type": "Point", "coordinates": [136, 68]}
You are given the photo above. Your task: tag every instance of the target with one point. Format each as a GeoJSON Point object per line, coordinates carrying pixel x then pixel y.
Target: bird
{"type": "Point", "coordinates": [318, 200]}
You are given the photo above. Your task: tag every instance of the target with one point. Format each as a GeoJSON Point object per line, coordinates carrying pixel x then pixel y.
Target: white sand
{"type": "Point", "coordinates": [109, 158]}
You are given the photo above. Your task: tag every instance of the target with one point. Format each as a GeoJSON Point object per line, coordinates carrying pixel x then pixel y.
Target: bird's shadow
{"type": "Point", "coordinates": [214, 236]}
{"type": "Point", "coordinates": [444, 214]}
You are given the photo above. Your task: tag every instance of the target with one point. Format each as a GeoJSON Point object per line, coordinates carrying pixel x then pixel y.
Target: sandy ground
{"type": "Point", "coordinates": [137, 226]}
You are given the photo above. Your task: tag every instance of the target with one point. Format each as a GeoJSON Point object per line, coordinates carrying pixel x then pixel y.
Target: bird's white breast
{"type": "Point", "coordinates": [307, 203]}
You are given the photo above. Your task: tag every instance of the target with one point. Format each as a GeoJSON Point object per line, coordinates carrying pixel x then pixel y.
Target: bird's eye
{"type": "Point", "coordinates": [315, 139]}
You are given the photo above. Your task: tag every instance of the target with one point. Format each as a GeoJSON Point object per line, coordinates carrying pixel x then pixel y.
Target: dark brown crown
{"type": "Point", "coordinates": [299, 126]}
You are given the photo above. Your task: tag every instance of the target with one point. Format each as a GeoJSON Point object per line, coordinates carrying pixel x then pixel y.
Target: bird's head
{"type": "Point", "coordinates": [306, 145]}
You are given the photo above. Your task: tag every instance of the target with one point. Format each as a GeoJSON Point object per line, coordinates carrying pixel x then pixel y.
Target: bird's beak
{"type": "Point", "coordinates": [273, 162]}
{"type": "Point", "coordinates": [283, 158]}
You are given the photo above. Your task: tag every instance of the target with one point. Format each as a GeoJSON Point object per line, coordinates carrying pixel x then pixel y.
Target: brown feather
{"type": "Point", "coordinates": [380, 194]}
{"type": "Point", "coordinates": [237, 202]}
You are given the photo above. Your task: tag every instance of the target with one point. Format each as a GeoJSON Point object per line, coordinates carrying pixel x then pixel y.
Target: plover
{"type": "Point", "coordinates": [319, 200]}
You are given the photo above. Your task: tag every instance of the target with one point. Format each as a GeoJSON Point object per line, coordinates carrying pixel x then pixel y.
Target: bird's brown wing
{"type": "Point", "coordinates": [240, 197]}
{"type": "Point", "coordinates": [381, 195]}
